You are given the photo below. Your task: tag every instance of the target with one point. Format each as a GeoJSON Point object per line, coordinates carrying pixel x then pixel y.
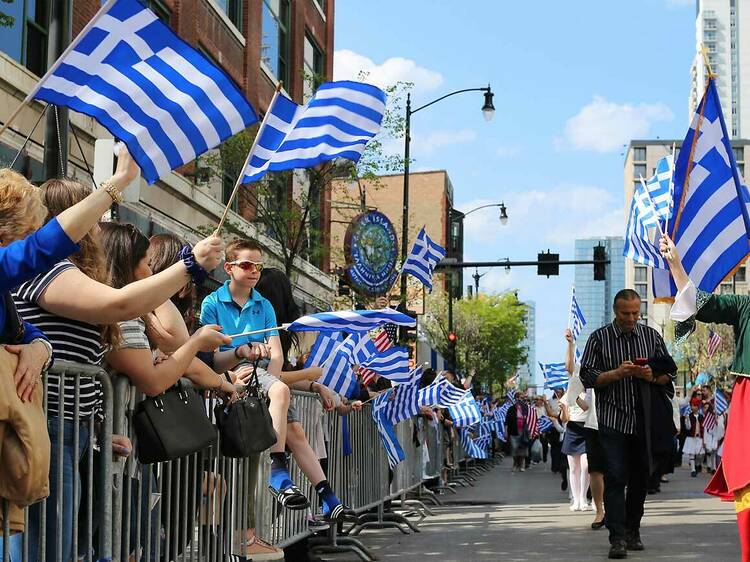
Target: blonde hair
{"type": "Point", "coordinates": [21, 208]}
{"type": "Point", "coordinates": [61, 194]}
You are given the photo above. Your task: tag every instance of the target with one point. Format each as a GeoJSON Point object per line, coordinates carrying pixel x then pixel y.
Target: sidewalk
{"type": "Point", "coordinates": [508, 517]}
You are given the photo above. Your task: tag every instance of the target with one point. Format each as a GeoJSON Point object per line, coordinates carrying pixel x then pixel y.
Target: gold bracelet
{"type": "Point", "coordinates": [112, 191]}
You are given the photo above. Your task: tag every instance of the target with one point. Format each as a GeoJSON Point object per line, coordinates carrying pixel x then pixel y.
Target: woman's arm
{"type": "Point", "coordinates": [570, 353]}
{"type": "Point", "coordinates": [202, 376]}
{"type": "Point", "coordinates": [564, 415]}
{"type": "Point", "coordinates": [138, 366]}
{"type": "Point", "coordinates": [582, 404]}
{"type": "Point", "coordinates": [75, 295]}
{"type": "Point", "coordinates": [310, 374]}
{"type": "Point", "coordinates": [166, 328]}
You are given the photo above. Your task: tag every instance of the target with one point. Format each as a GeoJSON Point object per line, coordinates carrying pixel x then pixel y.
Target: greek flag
{"type": "Point", "coordinates": [555, 375]}
{"type": "Point", "coordinates": [392, 364]}
{"type": "Point", "coordinates": [336, 123]}
{"type": "Point", "coordinates": [544, 424]}
{"type": "Point", "coordinates": [441, 393]}
{"type": "Point", "coordinates": [577, 320]}
{"type": "Point", "coordinates": [660, 189]}
{"type": "Point", "coordinates": [470, 447]}
{"type": "Point", "coordinates": [165, 100]}
{"type": "Point", "coordinates": [711, 223]}
{"type": "Point", "coordinates": [387, 434]}
{"type": "Point", "coordinates": [423, 258]}
{"type": "Point", "coordinates": [466, 413]}
{"type": "Point", "coordinates": [639, 246]}
{"type": "Point", "coordinates": [499, 416]}
{"type": "Point", "coordinates": [324, 347]}
{"type": "Point", "coordinates": [405, 404]}
{"type": "Point", "coordinates": [721, 404]}
{"type": "Point", "coordinates": [338, 372]}
{"type": "Point", "coordinates": [350, 321]}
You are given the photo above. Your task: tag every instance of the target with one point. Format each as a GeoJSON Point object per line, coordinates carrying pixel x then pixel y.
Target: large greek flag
{"type": "Point", "coordinates": [555, 375]}
{"type": "Point", "coordinates": [711, 224]}
{"type": "Point", "coordinates": [639, 245]}
{"type": "Point", "coordinates": [164, 99]}
{"type": "Point", "coordinates": [424, 256]}
{"type": "Point", "coordinates": [336, 123]}
{"type": "Point", "coordinates": [350, 321]}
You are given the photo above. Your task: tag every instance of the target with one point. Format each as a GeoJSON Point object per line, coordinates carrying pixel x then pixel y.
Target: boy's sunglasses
{"type": "Point", "coordinates": [247, 265]}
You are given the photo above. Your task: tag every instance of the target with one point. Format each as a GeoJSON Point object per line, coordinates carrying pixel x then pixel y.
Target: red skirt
{"type": "Point", "coordinates": [733, 473]}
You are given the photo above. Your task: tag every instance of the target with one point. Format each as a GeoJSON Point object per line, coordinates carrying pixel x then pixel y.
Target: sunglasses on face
{"type": "Point", "coordinates": [247, 265]}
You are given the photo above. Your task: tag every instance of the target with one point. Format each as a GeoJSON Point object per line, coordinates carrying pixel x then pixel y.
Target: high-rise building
{"type": "Point", "coordinates": [640, 160]}
{"type": "Point", "coordinates": [595, 297]}
{"type": "Point", "coordinates": [723, 27]}
{"type": "Point", "coordinates": [527, 371]}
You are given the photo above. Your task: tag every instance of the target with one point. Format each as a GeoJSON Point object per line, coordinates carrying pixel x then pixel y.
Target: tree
{"type": "Point", "coordinates": [489, 330]}
{"type": "Point", "coordinates": [692, 355]}
{"type": "Point", "coordinates": [5, 19]}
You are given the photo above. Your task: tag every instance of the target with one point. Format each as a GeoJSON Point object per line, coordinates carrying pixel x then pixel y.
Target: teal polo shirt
{"type": "Point", "coordinates": [257, 314]}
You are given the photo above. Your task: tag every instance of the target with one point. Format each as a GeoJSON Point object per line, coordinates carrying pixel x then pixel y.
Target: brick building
{"type": "Point", "coordinates": [256, 42]}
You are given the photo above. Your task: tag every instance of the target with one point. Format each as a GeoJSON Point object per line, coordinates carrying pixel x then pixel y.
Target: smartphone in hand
{"type": "Point", "coordinates": [641, 361]}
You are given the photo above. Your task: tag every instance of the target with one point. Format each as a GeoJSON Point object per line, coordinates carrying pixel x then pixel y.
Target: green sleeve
{"type": "Point", "coordinates": [721, 309]}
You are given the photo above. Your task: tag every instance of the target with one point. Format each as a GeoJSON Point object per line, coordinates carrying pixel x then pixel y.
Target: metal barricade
{"type": "Point", "coordinates": [55, 524]}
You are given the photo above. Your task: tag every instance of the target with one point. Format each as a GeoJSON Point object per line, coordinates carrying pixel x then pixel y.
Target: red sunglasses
{"type": "Point", "coordinates": [247, 265]}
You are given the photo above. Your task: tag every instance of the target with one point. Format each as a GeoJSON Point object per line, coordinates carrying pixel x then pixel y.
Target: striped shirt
{"type": "Point", "coordinates": [71, 340]}
{"type": "Point", "coordinates": [605, 350]}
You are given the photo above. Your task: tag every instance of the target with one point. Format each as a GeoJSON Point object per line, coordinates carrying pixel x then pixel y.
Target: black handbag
{"type": "Point", "coordinates": [172, 425]}
{"type": "Point", "coordinates": [245, 426]}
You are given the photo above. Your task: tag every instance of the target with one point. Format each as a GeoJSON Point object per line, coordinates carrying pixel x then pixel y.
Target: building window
{"type": "Point", "coordinates": [161, 10]}
{"type": "Point", "coordinates": [642, 290]}
{"type": "Point", "coordinates": [726, 288]}
{"type": "Point", "coordinates": [233, 10]}
{"type": "Point", "coordinates": [26, 38]}
{"type": "Point", "coordinates": [644, 310]}
{"type": "Point", "coordinates": [739, 151]}
{"type": "Point", "coordinates": [274, 49]}
{"type": "Point", "coordinates": [639, 153]}
{"type": "Point", "coordinates": [314, 67]}
{"type": "Point", "coordinates": [639, 170]}
{"type": "Point", "coordinates": [740, 275]}
{"type": "Point", "coordinates": [321, 4]}
{"type": "Point", "coordinates": [641, 274]}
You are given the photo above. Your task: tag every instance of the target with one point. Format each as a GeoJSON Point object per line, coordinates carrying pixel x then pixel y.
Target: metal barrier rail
{"type": "Point", "coordinates": [200, 507]}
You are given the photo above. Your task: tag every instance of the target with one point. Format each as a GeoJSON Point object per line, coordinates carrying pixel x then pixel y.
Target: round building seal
{"type": "Point", "coordinates": [371, 250]}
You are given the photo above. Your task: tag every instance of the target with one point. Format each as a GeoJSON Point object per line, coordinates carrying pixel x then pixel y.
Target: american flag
{"type": "Point", "coordinates": [532, 422]}
{"type": "Point", "coordinates": [709, 421]}
{"type": "Point", "coordinates": [714, 342]}
{"type": "Point", "coordinates": [382, 343]}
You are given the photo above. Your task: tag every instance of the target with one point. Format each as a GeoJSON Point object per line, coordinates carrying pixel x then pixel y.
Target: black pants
{"type": "Point", "coordinates": [626, 466]}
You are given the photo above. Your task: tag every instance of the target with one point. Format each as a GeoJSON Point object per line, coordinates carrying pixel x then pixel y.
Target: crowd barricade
{"type": "Point", "coordinates": [200, 507]}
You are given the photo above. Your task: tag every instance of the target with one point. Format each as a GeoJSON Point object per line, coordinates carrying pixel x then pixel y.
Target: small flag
{"type": "Point", "coordinates": [555, 375]}
{"type": "Point", "coordinates": [441, 393]}
{"type": "Point", "coordinates": [714, 342]}
{"type": "Point", "coordinates": [424, 256]}
{"type": "Point", "coordinates": [709, 421]}
{"type": "Point", "coordinates": [350, 321]}
{"type": "Point", "coordinates": [148, 87]}
{"type": "Point", "coordinates": [465, 413]}
{"type": "Point", "coordinates": [499, 415]}
{"type": "Point", "coordinates": [711, 225]}
{"type": "Point", "coordinates": [721, 404]}
{"type": "Point", "coordinates": [576, 320]}
{"type": "Point", "coordinates": [639, 246]}
{"type": "Point", "coordinates": [388, 437]}
{"type": "Point", "coordinates": [382, 342]}
{"type": "Point", "coordinates": [660, 188]}
{"type": "Point", "coordinates": [405, 403]}
{"type": "Point", "coordinates": [337, 122]}
{"type": "Point", "coordinates": [470, 447]}
{"type": "Point", "coordinates": [392, 364]}
{"type": "Point", "coordinates": [532, 424]}
{"type": "Point", "coordinates": [544, 424]}
{"type": "Point", "coordinates": [338, 371]}
{"type": "Point", "coordinates": [323, 349]}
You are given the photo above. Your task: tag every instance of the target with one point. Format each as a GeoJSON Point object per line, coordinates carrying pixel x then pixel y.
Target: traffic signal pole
{"type": "Point", "coordinates": [461, 264]}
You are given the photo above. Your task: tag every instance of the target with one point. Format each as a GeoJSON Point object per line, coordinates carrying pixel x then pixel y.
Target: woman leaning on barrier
{"type": "Point", "coordinates": [73, 303]}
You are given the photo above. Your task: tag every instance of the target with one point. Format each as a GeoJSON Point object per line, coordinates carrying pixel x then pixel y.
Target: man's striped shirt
{"type": "Point", "coordinates": [605, 350]}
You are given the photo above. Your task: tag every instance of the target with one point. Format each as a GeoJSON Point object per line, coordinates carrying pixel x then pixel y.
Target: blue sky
{"type": "Point", "coordinates": [574, 82]}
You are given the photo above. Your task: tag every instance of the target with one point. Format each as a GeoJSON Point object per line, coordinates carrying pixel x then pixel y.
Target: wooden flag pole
{"type": "Point", "coordinates": [671, 190]}
{"type": "Point", "coordinates": [247, 160]}
{"type": "Point", "coordinates": [706, 61]}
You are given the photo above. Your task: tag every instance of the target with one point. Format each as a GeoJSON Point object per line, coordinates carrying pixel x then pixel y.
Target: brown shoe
{"type": "Point", "coordinates": [257, 549]}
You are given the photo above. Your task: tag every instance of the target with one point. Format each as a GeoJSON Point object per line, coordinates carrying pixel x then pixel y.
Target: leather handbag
{"type": "Point", "coordinates": [245, 425]}
{"type": "Point", "coordinates": [172, 425]}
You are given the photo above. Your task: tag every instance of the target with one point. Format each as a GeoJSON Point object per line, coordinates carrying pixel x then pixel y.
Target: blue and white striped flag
{"type": "Point", "coordinates": [338, 371]}
{"type": "Point", "coordinates": [544, 424]}
{"type": "Point", "coordinates": [392, 364]}
{"type": "Point", "coordinates": [350, 321]}
{"type": "Point", "coordinates": [424, 256]}
{"type": "Point", "coordinates": [470, 447]}
{"type": "Point", "coordinates": [337, 122]}
{"type": "Point", "coordinates": [465, 413]}
{"type": "Point", "coordinates": [555, 375]}
{"type": "Point", "coordinates": [500, 415]}
{"type": "Point", "coordinates": [387, 434]}
{"type": "Point", "coordinates": [639, 245]}
{"type": "Point", "coordinates": [441, 392]}
{"type": "Point", "coordinates": [721, 404]}
{"type": "Point", "coordinates": [405, 404]}
{"type": "Point", "coordinates": [148, 87]}
{"type": "Point", "coordinates": [660, 188]}
{"type": "Point", "coordinates": [576, 321]}
{"type": "Point", "coordinates": [711, 225]}
{"type": "Point", "coordinates": [323, 349]}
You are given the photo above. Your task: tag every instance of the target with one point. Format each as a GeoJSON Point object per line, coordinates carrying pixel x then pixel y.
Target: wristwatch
{"type": "Point", "coordinates": [48, 345]}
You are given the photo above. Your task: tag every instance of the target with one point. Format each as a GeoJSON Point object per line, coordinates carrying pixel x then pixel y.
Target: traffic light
{"type": "Point", "coordinates": [600, 267]}
{"type": "Point", "coordinates": [407, 334]}
{"type": "Point", "coordinates": [548, 264]}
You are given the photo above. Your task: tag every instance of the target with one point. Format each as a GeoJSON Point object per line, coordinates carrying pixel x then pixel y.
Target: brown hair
{"type": "Point", "coordinates": [162, 254]}
{"type": "Point", "coordinates": [125, 247]}
{"type": "Point", "coordinates": [236, 246]}
{"type": "Point", "coordinates": [61, 194]}
{"type": "Point", "coordinates": [21, 207]}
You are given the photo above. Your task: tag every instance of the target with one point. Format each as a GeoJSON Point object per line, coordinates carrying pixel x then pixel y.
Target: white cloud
{"type": "Point", "coordinates": [427, 144]}
{"type": "Point", "coordinates": [348, 65]}
{"type": "Point", "coordinates": [507, 151]}
{"type": "Point", "coordinates": [680, 3]}
{"type": "Point", "coordinates": [605, 126]}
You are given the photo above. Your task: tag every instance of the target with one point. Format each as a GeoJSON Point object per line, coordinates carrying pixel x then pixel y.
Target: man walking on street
{"type": "Point", "coordinates": [629, 366]}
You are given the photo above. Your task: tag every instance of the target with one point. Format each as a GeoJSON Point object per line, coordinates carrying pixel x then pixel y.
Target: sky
{"type": "Point", "coordinates": [574, 82]}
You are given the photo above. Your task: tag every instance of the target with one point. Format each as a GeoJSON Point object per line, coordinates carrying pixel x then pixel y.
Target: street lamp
{"type": "Point", "coordinates": [488, 110]}
{"type": "Point", "coordinates": [503, 211]}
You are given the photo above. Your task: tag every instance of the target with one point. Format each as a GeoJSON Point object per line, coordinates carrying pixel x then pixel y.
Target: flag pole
{"type": "Point", "coordinates": [247, 160]}
{"type": "Point", "coordinates": [671, 190]}
{"type": "Point", "coordinates": [57, 63]}
{"type": "Point", "coordinates": [254, 332]}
